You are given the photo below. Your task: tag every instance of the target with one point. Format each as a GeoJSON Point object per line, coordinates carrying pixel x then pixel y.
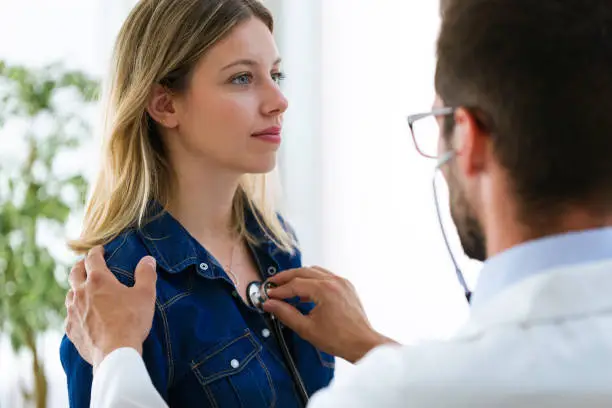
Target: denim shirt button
{"type": "Point", "coordinates": [235, 363]}
{"type": "Point", "coordinates": [204, 266]}
{"type": "Point", "coordinates": [271, 270]}
{"type": "Point", "coordinates": [265, 333]}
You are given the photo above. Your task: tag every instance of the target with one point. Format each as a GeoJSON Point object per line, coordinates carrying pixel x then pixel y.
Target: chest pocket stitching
{"type": "Point", "coordinates": [205, 380]}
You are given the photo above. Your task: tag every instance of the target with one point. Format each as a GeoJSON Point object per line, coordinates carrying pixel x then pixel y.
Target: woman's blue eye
{"type": "Point", "coordinates": [278, 77]}
{"type": "Point", "coordinates": [243, 79]}
{"type": "Point", "coordinates": [246, 79]}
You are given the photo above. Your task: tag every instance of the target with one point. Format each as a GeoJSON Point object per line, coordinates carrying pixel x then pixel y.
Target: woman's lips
{"type": "Point", "coordinates": [269, 135]}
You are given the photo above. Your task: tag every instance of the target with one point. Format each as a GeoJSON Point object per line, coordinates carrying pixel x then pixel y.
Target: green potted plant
{"type": "Point", "coordinates": [42, 110]}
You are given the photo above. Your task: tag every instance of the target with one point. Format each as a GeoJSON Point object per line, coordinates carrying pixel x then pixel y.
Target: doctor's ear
{"type": "Point", "coordinates": [471, 141]}
{"type": "Point", "coordinates": [161, 107]}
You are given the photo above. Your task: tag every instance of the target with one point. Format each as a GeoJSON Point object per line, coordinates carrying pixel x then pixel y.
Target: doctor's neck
{"type": "Point", "coordinates": [506, 227]}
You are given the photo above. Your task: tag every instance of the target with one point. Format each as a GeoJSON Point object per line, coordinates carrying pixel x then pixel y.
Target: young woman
{"type": "Point", "coordinates": [193, 125]}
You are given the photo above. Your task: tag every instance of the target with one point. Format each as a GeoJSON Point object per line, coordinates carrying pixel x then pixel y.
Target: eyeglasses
{"type": "Point", "coordinates": [426, 130]}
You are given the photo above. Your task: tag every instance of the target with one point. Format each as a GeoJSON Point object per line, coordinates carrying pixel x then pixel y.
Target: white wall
{"type": "Point", "coordinates": [360, 197]}
{"type": "Point", "coordinates": [379, 225]}
{"type": "Point", "coordinates": [301, 168]}
{"type": "Point", "coordinates": [37, 32]}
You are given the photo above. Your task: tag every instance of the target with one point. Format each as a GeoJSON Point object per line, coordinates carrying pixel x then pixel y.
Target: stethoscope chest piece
{"type": "Point", "coordinates": [257, 294]}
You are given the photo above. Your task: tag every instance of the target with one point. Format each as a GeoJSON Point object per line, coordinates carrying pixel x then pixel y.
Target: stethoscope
{"type": "Point", "coordinates": [446, 157]}
{"type": "Point", "coordinates": [257, 294]}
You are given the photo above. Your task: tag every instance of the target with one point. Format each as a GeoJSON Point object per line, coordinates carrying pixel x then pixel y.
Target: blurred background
{"type": "Point", "coordinates": [354, 188]}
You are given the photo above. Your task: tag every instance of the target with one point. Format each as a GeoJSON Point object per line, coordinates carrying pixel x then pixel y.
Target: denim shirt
{"type": "Point", "coordinates": [207, 348]}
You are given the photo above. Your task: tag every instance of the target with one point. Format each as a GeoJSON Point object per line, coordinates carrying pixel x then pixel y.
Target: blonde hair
{"type": "Point", "coordinates": [160, 43]}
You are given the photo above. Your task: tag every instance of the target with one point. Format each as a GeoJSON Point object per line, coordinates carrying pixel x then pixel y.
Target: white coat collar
{"type": "Point", "coordinates": [553, 295]}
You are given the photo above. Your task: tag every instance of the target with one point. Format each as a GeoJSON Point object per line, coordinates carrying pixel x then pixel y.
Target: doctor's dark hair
{"type": "Point", "coordinates": [540, 74]}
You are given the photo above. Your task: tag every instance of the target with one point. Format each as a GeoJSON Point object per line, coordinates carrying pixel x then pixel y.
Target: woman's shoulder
{"type": "Point", "coordinates": [123, 253]}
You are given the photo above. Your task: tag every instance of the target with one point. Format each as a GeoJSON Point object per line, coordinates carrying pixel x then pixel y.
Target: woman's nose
{"type": "Point", "coordinates": [275, 102]}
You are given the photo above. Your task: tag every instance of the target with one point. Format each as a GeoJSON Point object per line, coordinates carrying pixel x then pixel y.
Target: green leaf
{"type": "Point", "coordinates": [88, 89]}
{"type": "Point", "coordinates": [54, 209]}
{"type": "Point", "coordinates": [27, 269]}
{"type": "Point", "coordinates": [16, 340]}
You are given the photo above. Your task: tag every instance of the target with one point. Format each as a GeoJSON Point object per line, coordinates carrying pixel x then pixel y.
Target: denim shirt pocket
{"type": "Point", "coordinates": [233, 374]}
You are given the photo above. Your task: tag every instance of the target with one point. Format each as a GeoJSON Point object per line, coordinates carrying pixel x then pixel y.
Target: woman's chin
{"type": "Point", "coordinates": [260, 167]}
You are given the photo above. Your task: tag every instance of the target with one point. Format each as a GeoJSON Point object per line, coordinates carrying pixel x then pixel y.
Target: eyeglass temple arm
{"type": "Point", "coordinates": [434, 112]}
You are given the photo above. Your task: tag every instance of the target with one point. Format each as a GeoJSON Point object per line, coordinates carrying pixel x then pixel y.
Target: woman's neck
{"type": "Point", "coordinates": [202, 201]}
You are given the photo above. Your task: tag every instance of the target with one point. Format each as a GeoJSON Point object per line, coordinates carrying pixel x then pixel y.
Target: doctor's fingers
{"type": "Point", "coordinates": [98, 274]}
{"type": "Point", "coordinates": [95, 263]}
{"type": "Point", "coordinates": [72, 321]}
{"type": "Point", "coordinates": [305, 289]}
{"type": "Point", "coordinates": [69, 298]}
{"type": "Point", "coordinates": [289, 315]}
{"type": "Point", "coordinates": [77, 275]}
{"type": "Point", "coordinates": [323, 270]}
{"type": "Point", "coordinates": [301, 273]}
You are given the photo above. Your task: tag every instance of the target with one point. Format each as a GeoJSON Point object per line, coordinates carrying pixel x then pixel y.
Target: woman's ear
{"type": "Point", "coordinates": [161, 107]}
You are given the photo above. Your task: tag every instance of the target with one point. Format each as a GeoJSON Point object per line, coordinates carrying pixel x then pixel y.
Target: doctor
{"type": "Point", "coordinates": [525, 144]}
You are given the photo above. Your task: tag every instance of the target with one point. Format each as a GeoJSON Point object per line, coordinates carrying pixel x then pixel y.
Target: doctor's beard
{"type": "Point", "coordinates": [471, 236]}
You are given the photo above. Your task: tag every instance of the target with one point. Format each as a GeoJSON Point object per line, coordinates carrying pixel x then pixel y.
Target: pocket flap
{"type": "Point", "coordinates": [227, 357]}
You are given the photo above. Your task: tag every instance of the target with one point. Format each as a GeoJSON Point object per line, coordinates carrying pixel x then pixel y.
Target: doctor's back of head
{"type": "Point", "coordinates": [530, 133]}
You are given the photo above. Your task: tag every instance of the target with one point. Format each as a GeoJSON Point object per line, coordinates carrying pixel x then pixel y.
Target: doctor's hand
{"type": "Point", "coordinates": [104, 314]}
{"type": "Point", "coordinates": [337, 325]}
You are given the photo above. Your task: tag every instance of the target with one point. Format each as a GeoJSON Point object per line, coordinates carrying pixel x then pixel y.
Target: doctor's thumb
{"type": "Point", "coordinates": [146, 274]}
{"type": "Point", "coordinates": [288, 315]}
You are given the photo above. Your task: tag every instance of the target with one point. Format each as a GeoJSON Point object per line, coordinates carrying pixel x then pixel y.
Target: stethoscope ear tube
{"type": "Point", "coordinates": [257, 294]}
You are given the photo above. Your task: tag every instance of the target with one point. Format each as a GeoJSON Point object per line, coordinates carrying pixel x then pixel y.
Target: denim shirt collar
{"type": "Point", "coordinates": [175, 249]}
